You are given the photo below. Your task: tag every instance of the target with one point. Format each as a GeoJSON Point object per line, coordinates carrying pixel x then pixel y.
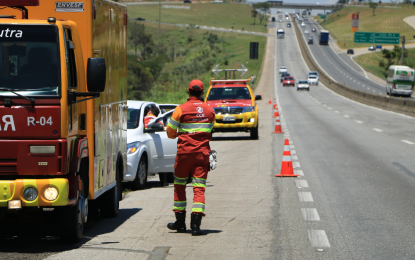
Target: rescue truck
{"type": "Point", "coordinates": [235, 106]}
{"type": "Point", "coordinates": [63, 109]}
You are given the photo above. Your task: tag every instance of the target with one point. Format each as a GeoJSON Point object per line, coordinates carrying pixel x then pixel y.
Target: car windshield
{"type": "Point", "coordinates": [288, 78]}
{"type": "Point", "coordinates": [133, 118]}
{"type": "Point", "coordinates": [29, 60]}
{"type": "Point", "coordinates": [283, 68]}
{"type": "Point", "coordinates": [226, 93]}
{"type": "Point", "coordinates": [312, 77]}
{"type": "Point", "coordinates": [303, 82]}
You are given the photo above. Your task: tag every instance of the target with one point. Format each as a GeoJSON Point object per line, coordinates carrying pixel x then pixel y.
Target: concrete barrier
{"type": "Point", "coordinates": [404, 106]}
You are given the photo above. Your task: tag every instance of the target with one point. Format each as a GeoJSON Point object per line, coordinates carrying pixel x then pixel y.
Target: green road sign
{"type": "Point", "coordinates": [381, 38]}
{"type": "Point", "coordinates": [322, 17]}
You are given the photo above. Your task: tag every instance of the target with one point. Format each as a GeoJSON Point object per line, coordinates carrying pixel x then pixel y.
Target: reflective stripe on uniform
{"type": "Point", "coordinates": [173, 124]}
{"type": "Point", "coordinates": [180, 205]}
{"type": "Point", "coordinates": [180, 181]}
{"type": "Point", "coordinates": [199, 127]}
{"type": "Point", "coordinates": [198, 182]}
{"type": "Point", "coordinates": [198, 207]}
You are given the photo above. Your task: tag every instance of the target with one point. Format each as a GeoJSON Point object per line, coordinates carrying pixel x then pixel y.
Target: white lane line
{"type": "Point", "coordinates": [292, 146]}
{"type": "Point", "coordinates": [378, 130]}
{"type": "Point", "coordinates": [363, 85]}
{"type": "Point", "coordinates": [318, 238]}
{"type": "Point", "coordinates": [305, 196]}
{"type": "Point", "coordinates": [329, 108]}
{"type": "Point", "coordinates": [294, 157]}
{"type": "Point", "coordinates": [301, 184]}
{"type": "Point", "coordinates": [359, 122]}
{"type": "Point", "coordinates": [310, 214]}
{"type": "Point", "coordinates": [347, 116]}
{"type": "Point", "coordinates": [299, 172]}
{"type": "Point", "coordinates": [291, 142]}
{"type": "Point", "coordinates": [293, 152]}
{"type": "Point", "coordinates": [408, 142]}
{"type": "Point", "coordinates": [296, 165]}
{"type": "Point", "coordinates": [336, 112]}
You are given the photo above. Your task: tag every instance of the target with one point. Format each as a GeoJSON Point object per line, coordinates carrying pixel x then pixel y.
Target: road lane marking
{"type": "Point", "coordinates": [378, 130]}
{"type": "Point", "coordinates": [301, 184]}
{"type": "Point", "coordinates": [359, 122]}
{"type": "Point", "coordinates": [295, 157]}
{"type": "Point", "coordinates": [318, 238]}
{"type": "Point", "coordinates": [292, 146]}
{"type": "Point", "coordinates": [293, 152]}
{"type": "Point", "coordinates": [290, 142]}
{"type": "Point", "coordinates": [408, 142]}
{"type": "Point", "coordinates": [347, 116]}
{"type": "Point", "coordinates": [336, 112]}
{"type": "Point", "coordinates": [310, 214]}
{"type": "Point", "coordinates": [305, 196]}
{"type": "Point", "coordinates": [299, 172]}
{"type": "Point", "coordinates": [296, 165]}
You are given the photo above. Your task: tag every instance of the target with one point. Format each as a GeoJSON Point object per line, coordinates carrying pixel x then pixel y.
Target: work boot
{"type": "Point", "coordinates": [195, 222]}
{"type": "Point", "coordinates": [180, 224]}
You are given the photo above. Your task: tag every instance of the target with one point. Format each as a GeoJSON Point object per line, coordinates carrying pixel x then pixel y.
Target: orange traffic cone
{"type": "Point", "coordinates": [278, 126]}
{"type": "Point", "coordinates": [269, 101]}
{"type": "Point", "coordinates": [275, 106]}
{"type": "Point", "coordinates": [286, 165]}
{"type": "Point", "coordinates": [276, 114]}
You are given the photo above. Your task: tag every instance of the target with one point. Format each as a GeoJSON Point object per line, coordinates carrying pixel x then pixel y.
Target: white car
{"type": "Point", "coordinates": [303, 85]}
{"type": "Point", "coordinates": [283, 69]}
{"type": "Point", "coordinates": [372, 48]}
{"type": "Point", "coordinates": [302, 24]}
{"type": "Point", "coordinates": [280, 21]}
{"type": "Point", "coordinates": [312, 79]}
{"type": "Point", "coordinates": [149, 151]}
{"type": "Point", "coordinates": [306, 31]}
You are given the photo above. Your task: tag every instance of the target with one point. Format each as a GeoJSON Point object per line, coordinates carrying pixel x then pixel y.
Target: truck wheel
{"type": "Point", "coordinates": [110, 202]}
{"type": "Point", "coordinates": [140, 180]}
{"type": "Point", "coordinates": [71, 226]}
{"type": "Point", "coordinates": [254, 132]}
{"type": "Point", "coordinates": [170, 177]}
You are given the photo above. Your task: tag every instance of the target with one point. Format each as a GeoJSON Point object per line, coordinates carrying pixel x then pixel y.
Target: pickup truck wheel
{"type": "Point", "coordinates": [170, 177]}
{"type": "Point", "coordinates": [71, 226]}
{"type": "Point", "coordinates": [140, 180]}
{"type": "Point", "coordinates": [254, 132]}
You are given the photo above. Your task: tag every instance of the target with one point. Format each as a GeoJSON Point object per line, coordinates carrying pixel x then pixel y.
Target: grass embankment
{"type": "Point", "coordinates": [197, 58]}
{"type": "Point", "coordinates": [226, 15]}
{"type": "Point", "coordinates": [370, 62]}
{"type": "Point", "coordinates": [388, 20]}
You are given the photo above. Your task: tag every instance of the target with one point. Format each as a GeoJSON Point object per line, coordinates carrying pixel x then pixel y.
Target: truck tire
{"type": "Point", "coordinates": [254, 132]}
{"type": "Point", "coordinates": [70, 231]}
{"type": "Point", "coordinates": [140, 180]}
{"type": "Point", "coordinates": [110, 202]}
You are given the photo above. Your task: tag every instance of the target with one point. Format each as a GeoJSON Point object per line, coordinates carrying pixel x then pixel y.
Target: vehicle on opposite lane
{"type": "Point", "coordinates": [350, 51]}
{"type": "Point", "coordinates": [372, 48]}
{"type": "Point", "coordinates": [288, 81]}
{"type": "Point", "coordinates": [310, 39]}
{"type": "Point", "coordinates": [313, 30]}
{"type": "Point", "coordinates": [303, 85]}
{"type": "Point", "coordinates": [314, 73]}
{"type": "Point", "coordinates": [149, 151]}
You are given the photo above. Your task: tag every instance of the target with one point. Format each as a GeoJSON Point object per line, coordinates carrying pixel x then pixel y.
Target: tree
{"type": "Point", "coordinates": [254, 13]}
{"type": "Point", "coordinates": [373, 6]}
{"type": "Point", "coordinates": [263, 10]}
{"type": "Point", "coordinates": [212, 39]}
{"type": "Point", "coordinates": [135, 40]}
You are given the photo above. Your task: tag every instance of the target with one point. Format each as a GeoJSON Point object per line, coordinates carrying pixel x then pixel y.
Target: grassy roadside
{"type": "Point", "coordinates": [370, 62]}
{"type": "Point", "coordinates": [385, 20]}
{"type": "Point", "coordinates": [196, 57]}
{"type": "Point", "coordinates": [226, 15]}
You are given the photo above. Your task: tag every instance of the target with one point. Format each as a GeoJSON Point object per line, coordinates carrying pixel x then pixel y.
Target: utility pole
{"type": "Point", "coordinates": [403, 48]}
{"type": "Point", "coordinates": [158, 45]}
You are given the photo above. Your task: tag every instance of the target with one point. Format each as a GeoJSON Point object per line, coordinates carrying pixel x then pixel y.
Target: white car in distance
{"type": "Point", "coordinates": [303, 85]}
{"type": "Point", "coordinates": [312, 79]}
{"type": "Point", "coordinates": [306, 31]}
{"type": "Point", "coordinates": [149, 151]}
{"type": "Point", "coordinates": [283, 69]}
{"type": "Point", "coordinates": [302, 24]}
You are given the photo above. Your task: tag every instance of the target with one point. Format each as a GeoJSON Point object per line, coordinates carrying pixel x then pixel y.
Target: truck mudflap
{"type": "Point", "coordinates": [240, 120]}
{"type": "Point", "coordinates": [13, 190]}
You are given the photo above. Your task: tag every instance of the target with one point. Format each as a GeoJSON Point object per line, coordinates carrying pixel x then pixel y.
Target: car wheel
{"type": "Point", "coordinates": [140, 180]}
{"type": "Point", "coordinates": [254, 132]}
{"type": "Point", "coordinates": [297, 89]}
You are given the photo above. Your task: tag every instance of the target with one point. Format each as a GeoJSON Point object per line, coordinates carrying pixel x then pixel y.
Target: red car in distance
{"type": "Point", "coordinates": [288, 81]}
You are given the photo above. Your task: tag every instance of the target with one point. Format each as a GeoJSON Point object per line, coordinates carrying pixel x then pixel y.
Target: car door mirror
{"type": "Point", "coordinates": [96, 74]}
{"type": "Point", "coordinates": [154, 128]}
{"type": "Point", "coordinates": [258, 97]}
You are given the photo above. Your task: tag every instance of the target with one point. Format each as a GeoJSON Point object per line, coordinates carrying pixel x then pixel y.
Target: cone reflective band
{"type": "Point", "coordinates": [286, 165]}
{"type": "Point", "coordinates": [19, 2]}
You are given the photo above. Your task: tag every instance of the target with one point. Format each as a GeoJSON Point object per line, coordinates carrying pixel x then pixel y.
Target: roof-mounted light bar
{"type": "Point", "coordinates": [19, 2]}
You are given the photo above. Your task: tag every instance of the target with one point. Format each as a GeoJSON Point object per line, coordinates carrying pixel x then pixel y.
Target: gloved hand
{"type": "Point", "coordinates": [212, 159]}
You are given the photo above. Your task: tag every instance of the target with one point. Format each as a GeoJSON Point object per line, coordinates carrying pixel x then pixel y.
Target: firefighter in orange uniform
{"type": "Point", "coordinates": [192, 122]}
{"type": "Point", "coordinates": [151, 114]}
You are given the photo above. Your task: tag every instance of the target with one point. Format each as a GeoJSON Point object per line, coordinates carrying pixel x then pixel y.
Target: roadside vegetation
{"type": "Point", "coordinates": [389, 20]}
{"type": "Point", "coordinates": [162, 72]}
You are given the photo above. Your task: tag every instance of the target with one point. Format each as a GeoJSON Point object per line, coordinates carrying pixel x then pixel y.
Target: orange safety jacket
{"type": "Point", "coordinates": [192, 122]}
{"type": "Point", "coordinates": [148, 119]}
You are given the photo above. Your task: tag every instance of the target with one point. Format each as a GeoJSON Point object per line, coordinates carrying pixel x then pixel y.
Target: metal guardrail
{"type": "Point", "coordinates": [304, 6]}
{"type": "Point", "coordinates": [404, 106]}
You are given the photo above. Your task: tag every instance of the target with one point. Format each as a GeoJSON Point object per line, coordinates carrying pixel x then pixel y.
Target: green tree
{"type": "Point", "coordinates": [263, 10]}
{"type": "Point", "coordinates": [254, 13]}
{"type": "Point", "coordinates": [212, 39]}
{"type": "Point", "coordinates": [140, 79]}
{"type": "Point", "coordinates": [373, 6]}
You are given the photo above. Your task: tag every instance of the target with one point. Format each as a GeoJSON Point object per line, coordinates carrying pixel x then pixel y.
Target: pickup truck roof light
{"type": "Point", "coordinates": [229, 81]}
{"type": "Point", "coordinates": [19, 2]}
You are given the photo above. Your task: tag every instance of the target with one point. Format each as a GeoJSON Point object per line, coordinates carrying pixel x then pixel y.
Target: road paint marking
{"type": "Point", "coordinates": [359, 122]}
{"type": "Point", "coordinates": [329, 108]}
{"type": "Point", "coordinates": [305, 196]}
{"type": "Point", "coordinates": [374, 91]}
{"type": "Point", "coordinates": [310, 214]}
{"type": "Point", "coordinates": [299, 172]}
{"type": "Point", "coordinates": [290, 142]}
{"type": "Point", "coordinates": [347, 116]}
{"type": "Point", "coordinates": [380, 93]}
{"type": "Point", "coordinates": [296, 165]}
{"type": "Point", "coordinates": [363, 85]}
{"type": "Point", "coordinates": [301, 184]}
{"type": "Point", "coordinates": [318, 238]}
{"type": "Point", "coordinates": [408, 142]}
{"type": "Point", "coordinates": [336, 112]}
{"type": "Point", "coordinates": [293, 152]}
{"type": "Point", "coordinates": [368, 88]}
{"type": "Point", "coordinates": [294, 157]}
{"type": "Point", "coordinates": [292, 146]}
{"type": "Point", "coordinates": [378, 130]}
{"type": "Point", "coordinates": [324, 105]}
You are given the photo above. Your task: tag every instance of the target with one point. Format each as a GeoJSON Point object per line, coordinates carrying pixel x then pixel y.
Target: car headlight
{"type": "Point", "coordinates": [30, 194]}
{"type": "Point", "coordinates": [133, 147]}
{"type": "Point", "coordinates": [249, 109]}
{"type": "Point", "coordinates": [51, 193]}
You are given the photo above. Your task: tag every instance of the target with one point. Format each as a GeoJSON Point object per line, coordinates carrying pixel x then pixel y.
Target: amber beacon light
{"type": "Point", "coordinates": [19, 2]}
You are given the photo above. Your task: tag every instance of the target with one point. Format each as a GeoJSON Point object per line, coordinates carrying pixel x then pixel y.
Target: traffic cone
{"type": "Point", "coordinates": [275, 106]}
{"type": "Point", "coordinates": [276, 114]}
{"type": "Point", "coordinates": [278, 126]}
{"type": "Point", "coordinates": [286, 165]}
{"type": "Point", "coordinates": [269, 101]}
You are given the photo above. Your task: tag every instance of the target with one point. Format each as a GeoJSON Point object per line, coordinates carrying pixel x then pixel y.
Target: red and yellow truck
{"type": "Point", "coordinates": [63, 86]}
